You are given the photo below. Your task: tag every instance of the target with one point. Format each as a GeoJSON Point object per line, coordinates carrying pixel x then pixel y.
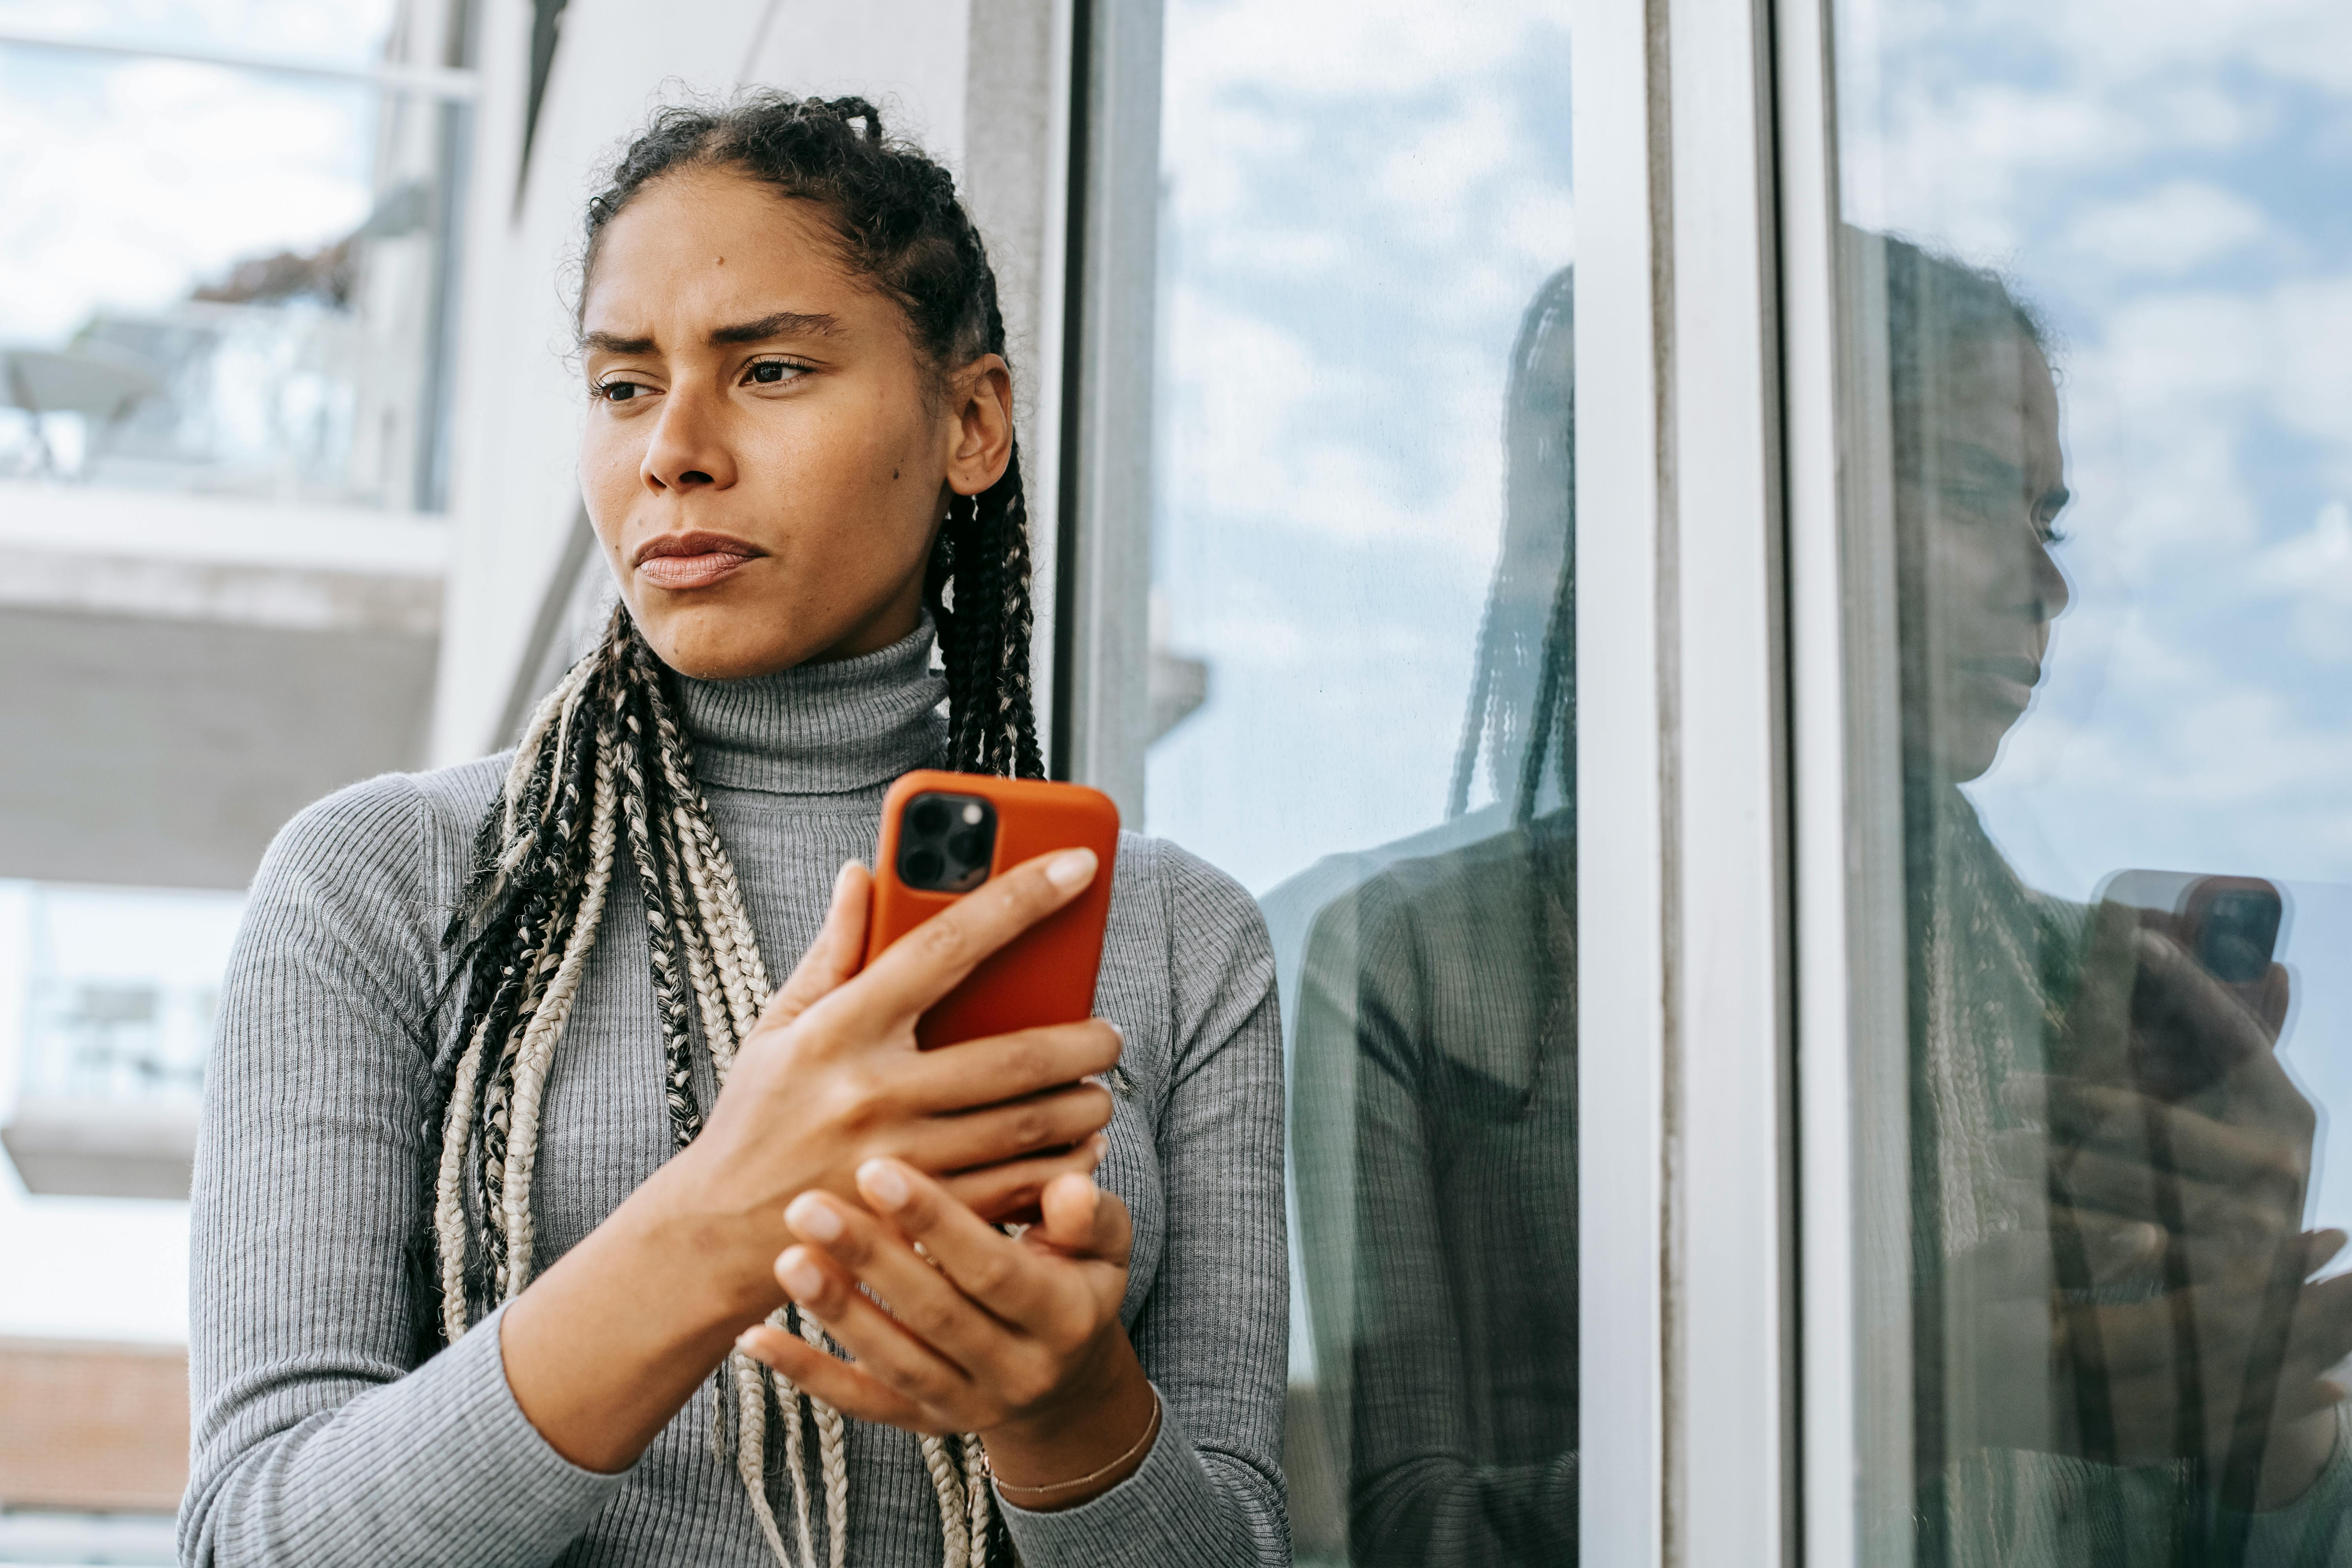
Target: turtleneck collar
{"type": "Point", "coordinates": [821, 729]}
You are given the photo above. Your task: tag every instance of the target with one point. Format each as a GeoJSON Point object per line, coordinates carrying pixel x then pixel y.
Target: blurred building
{"type": "Point", "coordinates": [288, 501]}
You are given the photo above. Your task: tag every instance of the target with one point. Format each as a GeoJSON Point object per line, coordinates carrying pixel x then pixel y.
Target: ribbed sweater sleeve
{"type": "Point", "coordinates": [317, 1438]}
{"type": "Point", "coordinates": [1213, 1334]}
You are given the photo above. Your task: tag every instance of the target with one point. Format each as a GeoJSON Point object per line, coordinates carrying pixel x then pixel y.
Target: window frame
{"type": "Point", "coordinates": [1098, 711]}
{"type": "Point", "coordinates": [1686, 974]}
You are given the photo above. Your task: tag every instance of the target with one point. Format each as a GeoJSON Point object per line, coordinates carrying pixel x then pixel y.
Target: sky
{"type": "Point", "coordinates": [1358, 203]}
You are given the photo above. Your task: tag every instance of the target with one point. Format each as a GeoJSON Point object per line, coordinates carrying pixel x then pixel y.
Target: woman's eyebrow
{"type": "Point", "coordinates": [614, 343]}
{"type": "Point", "coordinates": [783, 324]}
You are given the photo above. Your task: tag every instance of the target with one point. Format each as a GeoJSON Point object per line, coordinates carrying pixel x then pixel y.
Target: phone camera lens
{"type": "Point", "coordinates": [929, 819]}
{"type": "Point", "coordinates": [922, 867]}
{"type": "Point", "coordinates": [968, 849]}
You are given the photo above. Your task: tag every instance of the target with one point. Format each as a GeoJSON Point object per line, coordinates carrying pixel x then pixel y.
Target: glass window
{"type": "Point", "coordinates": [221, 279]}
{"type": "Point", "coordinates": [1364, 690]}
{"type": "Point", "coordinates": [2097, 313]}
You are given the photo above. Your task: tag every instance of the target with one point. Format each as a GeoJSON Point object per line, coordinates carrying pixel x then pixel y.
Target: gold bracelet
{"type": "Point", "coordinates": [1150, 1430]}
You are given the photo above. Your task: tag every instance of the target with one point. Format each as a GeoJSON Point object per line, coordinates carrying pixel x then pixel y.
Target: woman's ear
{"type": "Point", "coordinates": [981, 399]}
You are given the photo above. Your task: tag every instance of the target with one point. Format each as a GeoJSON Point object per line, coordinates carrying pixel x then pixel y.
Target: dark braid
{"type": "Point", "coordinates": [605, 774]}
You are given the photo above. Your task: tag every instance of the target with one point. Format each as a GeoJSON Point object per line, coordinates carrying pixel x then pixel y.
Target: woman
{"type": "Point", "coordinates": [471, 1260]}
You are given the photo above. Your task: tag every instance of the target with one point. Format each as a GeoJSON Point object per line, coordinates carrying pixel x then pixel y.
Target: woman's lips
{"type": "Point", "coordinates": [2011, 680]}
{"type": "Point", "coordinates": [696, 571]}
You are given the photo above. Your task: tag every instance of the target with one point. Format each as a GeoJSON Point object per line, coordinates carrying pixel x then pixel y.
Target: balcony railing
{"type": "Point", "coordinates": [245, 266]}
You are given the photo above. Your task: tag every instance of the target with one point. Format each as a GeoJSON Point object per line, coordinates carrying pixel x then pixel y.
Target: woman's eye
{"type": "Point", "coordinates": [771, 372]}
{"type": "Point", "coordinates": [620, 391]}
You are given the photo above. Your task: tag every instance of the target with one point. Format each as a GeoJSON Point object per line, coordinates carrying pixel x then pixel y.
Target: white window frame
{"type": "Point", "coordinates": [1688, 1332]}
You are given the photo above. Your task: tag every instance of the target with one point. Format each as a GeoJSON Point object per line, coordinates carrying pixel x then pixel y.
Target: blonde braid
{"type": "Point", "coordinates": [547, 1021]}
{"type": "Point", "coordinates": [751, 1455]}
{"type": "Point", "coordinates": [975, 1491]}
{"type": "Point", "coordinates": [955, 1528]}
{"type": "Point", "coordinates": [796, 1457]}
{"type": "Point", "coordinates": [448, 1197]}
{"type": "Point", "coordinates": [734, 949]}
{"type": "Point", "coordinates": [710, 1007]}
{"type": "Point", "coordinates": [832, 1454]}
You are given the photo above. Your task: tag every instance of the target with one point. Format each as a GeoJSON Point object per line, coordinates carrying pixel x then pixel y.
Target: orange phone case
{"type": "Point", "coordinates": [1045, 975]}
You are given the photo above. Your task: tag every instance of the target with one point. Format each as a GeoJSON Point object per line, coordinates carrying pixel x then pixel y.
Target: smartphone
{"type": "Point", "coordinates": [945, 834]}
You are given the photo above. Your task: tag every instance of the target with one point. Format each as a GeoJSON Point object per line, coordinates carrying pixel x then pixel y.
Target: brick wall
{"type": "Point", "coordinates": [103, 1428]}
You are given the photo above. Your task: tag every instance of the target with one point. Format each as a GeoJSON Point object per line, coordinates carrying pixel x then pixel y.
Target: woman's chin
{"type": "Point", "coordinates": [706, 658]}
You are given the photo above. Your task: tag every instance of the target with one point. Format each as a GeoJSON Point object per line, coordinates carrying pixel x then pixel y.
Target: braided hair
{"type": "Point", "coordinates": [1522, 713]}
{"type": "Point", "coordinates": [606, 763]}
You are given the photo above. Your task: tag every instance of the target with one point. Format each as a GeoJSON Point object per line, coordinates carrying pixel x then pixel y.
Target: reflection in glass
{"type": "Point", "coordinates": [2117, 1357]}
{"type": "Point", "coordinates": [1434, 1123]}
{"type": "Point", "coordinates": [2106, 1213]}
{"type": "Point", "coordinates": [1363, 472]}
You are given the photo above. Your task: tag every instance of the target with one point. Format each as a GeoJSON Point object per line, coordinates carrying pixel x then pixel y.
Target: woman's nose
{"type": "Point", "coordinates": [2051, 594]}
{"type": "Point", "coordinates": [688, 451]}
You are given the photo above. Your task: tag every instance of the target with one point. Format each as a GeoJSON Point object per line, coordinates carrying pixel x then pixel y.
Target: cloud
{"type": "Point", "coordinates": [2313, 571]}
{"type": "Point", "coordinates": [2171, 229]}
{"type": "Point", "coordinates": [1266, 422]}
{"type": "Point", "coordinates": [1386, 48]}
{"type": "Point", "coordinates": [1356, 217]}
{"type": "Point", "coordinates": [2305, 41]}
{"type": "Point", "coordinates": [347, 32]}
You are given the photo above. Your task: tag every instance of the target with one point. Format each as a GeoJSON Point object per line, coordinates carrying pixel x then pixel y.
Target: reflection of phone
{"type": "Point", "coordinates": [2230, 926]}
{"type": "Point", "coordinates": [945, 834]}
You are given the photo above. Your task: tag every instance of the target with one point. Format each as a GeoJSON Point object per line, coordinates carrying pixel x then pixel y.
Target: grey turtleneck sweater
{"type": "Point", "coordinates": [318, 1439]}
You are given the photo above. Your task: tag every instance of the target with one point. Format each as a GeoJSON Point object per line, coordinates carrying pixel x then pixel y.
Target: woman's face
{"type": "Point", "coordinates": [1993, 484]}
{"type": "Point", "coordinates": [767, 457]}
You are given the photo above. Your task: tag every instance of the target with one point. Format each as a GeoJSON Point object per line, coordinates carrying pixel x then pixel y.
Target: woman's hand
{"type": "Point", "coordinates": [1016, 1339]}
{"type": "Point", "coordinates": [832, 1078]}
{"type": "Point", "coordinates": [602, 1349]}
{"type": "Point", "coordinates": [2162, 1284]}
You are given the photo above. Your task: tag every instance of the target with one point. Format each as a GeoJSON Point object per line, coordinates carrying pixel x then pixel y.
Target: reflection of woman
{"type": "Point", "coordinates": [501, 1151]}
{"type": "Point", "coordinates": [2086, 1325]}
{"type": "Point", "coordinates": [1434, 1116]}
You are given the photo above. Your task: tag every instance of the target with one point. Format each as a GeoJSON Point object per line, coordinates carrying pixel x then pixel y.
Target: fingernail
{"type": "Point", "coordinates": [799, 1274]}
{"type": "Point", "coordinates": [814, 1218]}
{"type": "Point", "coordinates": [882, 1183]}
{"type": "Point", "coordinates": [749, 1344]}
{"type": "Point", "coordinates": [1071, 867]}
